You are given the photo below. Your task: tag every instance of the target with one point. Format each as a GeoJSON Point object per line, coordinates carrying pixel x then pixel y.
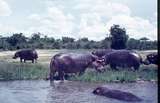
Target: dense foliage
{"type": "Point", "coordinates": [19, 41]}
{"type": "Point", "coordinates": [117, 40]}
{"type": "Point", "coordinates": [118, 37]}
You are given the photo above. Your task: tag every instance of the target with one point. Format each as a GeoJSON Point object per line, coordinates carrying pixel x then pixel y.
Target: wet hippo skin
{"type": "Point", "coordinates": [116, 94]}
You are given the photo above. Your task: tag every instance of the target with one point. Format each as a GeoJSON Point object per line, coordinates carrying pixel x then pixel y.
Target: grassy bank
{"type": "Point", "coordinates": [145, 73]}
{"type": "Point", "coordinates": [11, 69]}
{"type": "Point", "coordinates": [25, 71]}
{"type": "Point", "coordinates": [22, 71]}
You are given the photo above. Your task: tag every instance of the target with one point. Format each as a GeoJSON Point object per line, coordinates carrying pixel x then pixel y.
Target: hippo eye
{"type": "Point", "coordinates": [97, 90]}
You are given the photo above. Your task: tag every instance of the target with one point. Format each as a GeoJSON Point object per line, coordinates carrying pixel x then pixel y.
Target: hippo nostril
{"type": "Point", "coordinates": [94, 92]}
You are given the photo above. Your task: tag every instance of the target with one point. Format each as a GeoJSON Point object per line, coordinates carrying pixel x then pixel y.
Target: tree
{"type": "Point", "coordinates": [144, 39]}
{"type": "Point", "coordinates": [4, 45]}
{"type": "Point", "coordinates": [83, 43]}
{"type": "Point", "coordinates": [35, 37]}
{"type": "Point", "coordinates": [17, 40]}
{"type": "Point", "coordinates": [106, 43]}
{"type": "Point", "coordinates": [118, 37]}
{"type": "Point", "coordinates": [133, 43]}
{"type": "Point", "coordinates": [67, 40]}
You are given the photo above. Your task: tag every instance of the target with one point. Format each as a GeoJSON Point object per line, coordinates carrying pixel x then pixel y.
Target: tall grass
{"type": "Point", "coordinates": [126, 75]}
{"type": "Point", "coordinates": [21, 71]}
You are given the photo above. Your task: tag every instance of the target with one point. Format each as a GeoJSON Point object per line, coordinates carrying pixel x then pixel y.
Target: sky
{"type": "Point", "coordinates": [78, 18]}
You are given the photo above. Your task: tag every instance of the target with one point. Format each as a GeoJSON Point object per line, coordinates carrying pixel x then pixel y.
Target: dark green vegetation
{"type": "Point", "coordinates": [21, 71]}
{"type": "Point", "coordinates": [117, 39]}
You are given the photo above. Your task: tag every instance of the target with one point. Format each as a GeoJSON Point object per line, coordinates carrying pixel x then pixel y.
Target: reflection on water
{"type": "Point", "coordinates": [40, 91]}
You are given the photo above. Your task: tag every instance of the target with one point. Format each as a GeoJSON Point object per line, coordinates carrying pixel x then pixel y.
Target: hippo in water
{"type": "Point", "coordinates": [151, 58]}
{"type": "Point", "coordinates": [123, 58]}
{"type": "Point", "coordinates": [26, 54]}
{"type": "Point", "coordinates": [116, 94]}
{"type": "Point", "coordinates": [65, 63]}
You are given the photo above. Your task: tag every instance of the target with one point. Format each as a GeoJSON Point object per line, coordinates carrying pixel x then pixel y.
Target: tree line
{"type": "Point", "coordinates": [118, 39]}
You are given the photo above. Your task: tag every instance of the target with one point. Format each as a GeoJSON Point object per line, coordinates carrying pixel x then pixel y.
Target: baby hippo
{"type": "Point", "coordinates": [116, 94]}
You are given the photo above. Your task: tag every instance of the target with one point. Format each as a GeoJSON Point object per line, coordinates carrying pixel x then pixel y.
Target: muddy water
{"type": "Point", "coordinates": [39, 91]}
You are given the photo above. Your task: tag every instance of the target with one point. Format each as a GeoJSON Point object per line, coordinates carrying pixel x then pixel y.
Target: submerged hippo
{"type": "Point", "coordinates": [116, 94]}
{"type": "Point", "coordinates": [26, 54]}
{"type": "Point", "coordinates": [152, 59]}
{"type": "Point", "coordinates": [64, 63]}
{"type": "Point", "coordinates": [123, 58]}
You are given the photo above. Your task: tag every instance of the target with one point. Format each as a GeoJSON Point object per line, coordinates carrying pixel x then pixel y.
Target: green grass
{"type": "Point", "coordinates": [145, 73]}
{"type": "Point", "coordinates": [22, 71]}
{"type": "Point", "coordinates": [11, 69]}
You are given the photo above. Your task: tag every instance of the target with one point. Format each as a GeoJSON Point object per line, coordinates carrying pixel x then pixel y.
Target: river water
{"type": "Point", "coordinates": [39, 91]}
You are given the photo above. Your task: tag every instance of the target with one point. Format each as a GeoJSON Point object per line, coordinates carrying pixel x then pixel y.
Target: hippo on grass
{"type": "Point", "coordinates": [151, 58]}
{"type": "Point", "coordinates": [116, 94]}
{"type": "Point", "coordinates": [65, 63]}
{"type": "Point", "coordinates": [26, 54]}
{"type": "Point", "coordinates": [102, 52]}
{"type": "Point", "coordinates": [123, 58]}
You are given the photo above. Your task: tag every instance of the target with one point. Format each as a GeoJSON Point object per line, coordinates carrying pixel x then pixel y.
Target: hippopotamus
{"type": "Point", "coordinates": [123, 58]}
{"type": "Point", "coordinates": [26, 54]}
{"type": "Point", "coordinates": [116, 94]}
{"type": "Point", "coordinates": [64, 63]}
{"type": "Point", "coordinates": [102, 52]}
{"type": "Point", "coordinates": [151, 58]}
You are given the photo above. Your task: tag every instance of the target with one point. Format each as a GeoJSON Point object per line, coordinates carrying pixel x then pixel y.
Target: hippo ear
{"type": "Point", "coordinates": [93, 52]}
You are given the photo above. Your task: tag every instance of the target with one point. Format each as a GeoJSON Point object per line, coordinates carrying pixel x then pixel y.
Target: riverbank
{"type": "Point", "coordinates": [12, 69]}
{"type": "Point", "coordinates": [29, 71]}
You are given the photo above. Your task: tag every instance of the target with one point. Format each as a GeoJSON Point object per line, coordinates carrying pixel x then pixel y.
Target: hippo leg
{"type": "Point", "coordinates": [113, 66]}
{"type": "Point", "coordinates": [61, 75]}
{"type": "Point", "coordinates": [21, 60]}
{"type": "Point", "coordinates": [36, 60]}
{"type": "Point", "coordinates": [32, 60]}
{"type": "Point", "coordinates": [52, 73]}
{"type": "Point", "coordinates": [136, 67]}
{"type": "Point", "coordinates": [81, 72]}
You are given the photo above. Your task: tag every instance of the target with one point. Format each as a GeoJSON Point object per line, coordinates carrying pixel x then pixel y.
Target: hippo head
{"type": "Point", "coordinates": [151, 59]}
{"type": "Point", "coordinates": [16, 55]}
{"type": "Point", "coordinates": [98, 65]}
{"type": "Point", "coordinates": [100, 90]}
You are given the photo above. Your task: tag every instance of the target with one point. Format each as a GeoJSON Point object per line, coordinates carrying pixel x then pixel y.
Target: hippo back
{"type": "Point", "coordinates": [123, 58]}
{"type": "Point", "coordinates": [27, 54]}
{"type": "Point", "coordinates": [73, 60]}
{"type": "Point", "coordinates": [102, 52]}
